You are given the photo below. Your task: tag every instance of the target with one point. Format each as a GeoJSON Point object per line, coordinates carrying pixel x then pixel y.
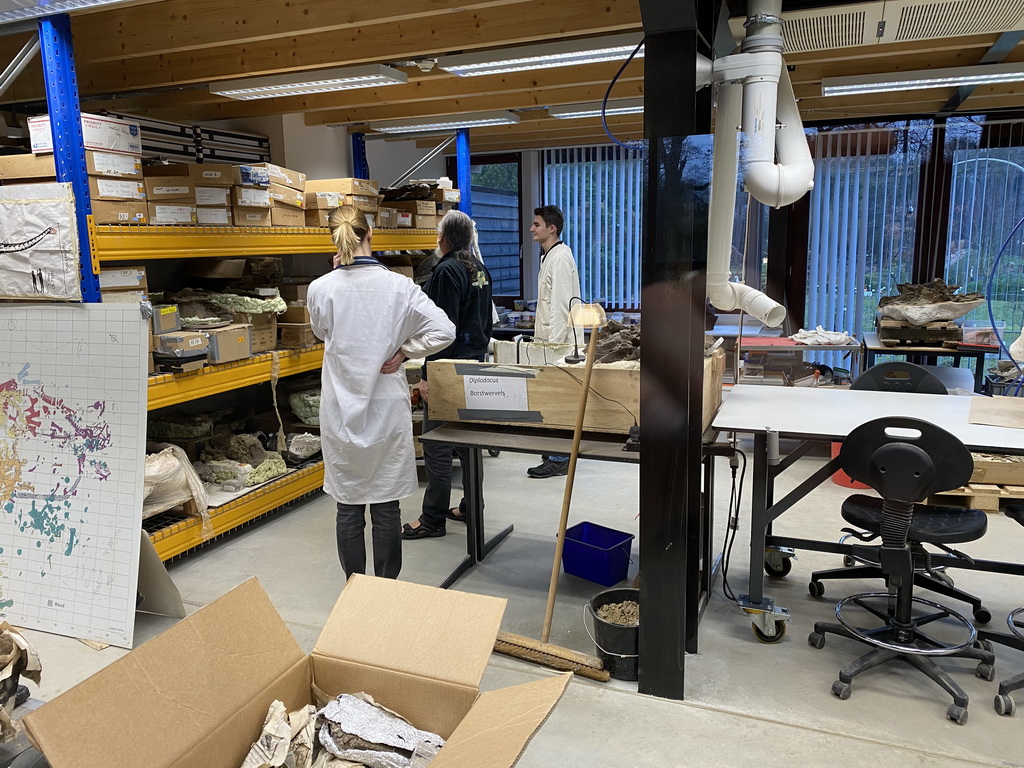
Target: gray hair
{"type": "Point", "coordinates": [459, 233]}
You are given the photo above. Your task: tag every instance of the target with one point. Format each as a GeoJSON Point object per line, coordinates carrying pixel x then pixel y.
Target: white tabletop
{"type": "Point", "coordinates": [831, 414]}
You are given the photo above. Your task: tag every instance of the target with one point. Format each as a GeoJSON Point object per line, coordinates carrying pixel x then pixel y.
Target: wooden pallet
{"type": "Point", "coordinates": [986, 496]}
{"type": "Point", "coordinates": [894, 333]}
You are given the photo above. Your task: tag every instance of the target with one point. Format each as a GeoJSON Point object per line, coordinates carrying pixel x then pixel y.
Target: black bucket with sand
{"type": "Point", "coordinates": [618, 644]}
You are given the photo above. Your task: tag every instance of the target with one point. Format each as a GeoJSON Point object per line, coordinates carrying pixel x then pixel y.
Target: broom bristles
{"type": "Point", "coordinates": [553, 656]}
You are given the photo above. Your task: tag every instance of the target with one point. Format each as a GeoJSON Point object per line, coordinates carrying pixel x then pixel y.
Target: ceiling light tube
{"type": "Point", "coordinates": [302, 83]}
{"type": "Point", "coordinates": [593, 109]}
{"type": "Point", "coordinates": [450, 122]}
{"type": "Point", "coordinates": [951, 77]}
{"type": "Point", "coordinates": [543, 56]}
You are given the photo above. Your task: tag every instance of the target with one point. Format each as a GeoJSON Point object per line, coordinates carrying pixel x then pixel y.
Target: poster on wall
{"type": "Point", "coordinates": [72, 453]}
{"type": "Point", "coordinates": [39, 243]}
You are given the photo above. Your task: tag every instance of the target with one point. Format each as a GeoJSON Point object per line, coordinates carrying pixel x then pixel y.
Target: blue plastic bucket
{"type": "Point", "coordinates": [596, 553]}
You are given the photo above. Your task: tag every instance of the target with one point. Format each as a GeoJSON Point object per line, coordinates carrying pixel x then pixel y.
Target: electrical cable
{"type": "Point", "coordinates": [736, 495]}
{"type": "Point", "coordinates": [991, 312]}
{"type": "Point", "coordinates": [631, 145]}
{"type": "Point", "coordinates": [595, 392]}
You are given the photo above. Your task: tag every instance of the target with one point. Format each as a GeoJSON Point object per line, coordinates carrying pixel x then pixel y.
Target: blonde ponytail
{"type": "Point", "coordinates": [348, 228]}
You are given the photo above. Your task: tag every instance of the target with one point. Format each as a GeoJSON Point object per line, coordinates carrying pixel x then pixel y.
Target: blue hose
{"type": "Point", "coordinates": [991, 312]}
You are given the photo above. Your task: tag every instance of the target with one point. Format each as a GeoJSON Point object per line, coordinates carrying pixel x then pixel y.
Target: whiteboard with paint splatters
{"type": "Point", "coordinates": [72, 459]}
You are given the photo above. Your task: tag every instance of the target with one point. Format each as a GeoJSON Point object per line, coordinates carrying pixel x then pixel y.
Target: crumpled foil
{"type": "Point", "coordinates": [357, 728]}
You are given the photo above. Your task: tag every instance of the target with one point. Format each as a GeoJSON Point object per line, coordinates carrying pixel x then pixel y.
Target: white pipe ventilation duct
{"type": "Point", "coordinates": [754, 94]}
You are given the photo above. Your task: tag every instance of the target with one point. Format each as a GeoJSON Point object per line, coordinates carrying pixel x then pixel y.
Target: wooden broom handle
{"type": "Point", "coordinates": [556, 566]}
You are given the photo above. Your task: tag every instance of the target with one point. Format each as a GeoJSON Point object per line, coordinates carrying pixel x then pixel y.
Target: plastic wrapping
{"type": "Point", "coordinates": [170, 481]}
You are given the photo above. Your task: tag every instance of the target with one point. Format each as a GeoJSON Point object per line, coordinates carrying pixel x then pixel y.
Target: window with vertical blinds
{"type": "Point", "coordinates": [600, 192]}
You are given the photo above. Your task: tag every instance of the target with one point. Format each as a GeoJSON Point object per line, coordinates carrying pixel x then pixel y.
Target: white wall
{"type": "Point", "coordinates": [390, 159]}
{"type": "Point", "coordinates": [316, 150]}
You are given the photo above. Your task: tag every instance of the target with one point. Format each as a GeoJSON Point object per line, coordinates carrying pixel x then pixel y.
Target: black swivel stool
{"type": "Point", "coordinates": [1004, 703]}
{"type": "Point", "coordinates": [906, 461]}
{"type": "Point", "coordinates": [899, 376]}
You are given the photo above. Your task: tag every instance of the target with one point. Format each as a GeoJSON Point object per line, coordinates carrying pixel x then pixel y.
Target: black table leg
{"type": "Point", "coordinates": [979, 373]}
{"type": "Point", "coordinates": [758, 519]}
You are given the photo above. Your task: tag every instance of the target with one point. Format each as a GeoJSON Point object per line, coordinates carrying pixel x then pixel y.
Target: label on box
{"type": "Point", "coordinates": [169, 310]}
{"type": "Point", "coordinates": [248, 197]}
{"type": "Point", "coordinates": [328, 199]}
{"type": "Point", "coordinates": [172, 214]}
{"type": "Point", "coordinates": [496, 393]}
{"type": "Point", "coordinates": [195, 342]}
{"type": "Point", "coordinates": [109, 164]}
{"type": "Point", "coordinates": [212, 196]}
{"type": "Point", "coordinates": [253, 216]}
{"type": "Point", "coordinates": [172, 190]}
{"type": "Point", "coordinates": [402, 219]}
{"type": "Point", "coordinates": [113, 188]}
{"type": "Point", "coordinates": [214, 216]}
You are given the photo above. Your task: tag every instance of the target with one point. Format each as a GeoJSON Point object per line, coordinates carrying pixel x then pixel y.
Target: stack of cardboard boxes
{"type": "Point", "coordinates": [419, 214]}
{"type": "Point", "coordinates": [294, 326]}
{"type": "Point", "coordinates": [178, 193]}
{"type": "Point", "coordinates": [324, 195]}
{"type": "Point", "coordinates": [268, 195]}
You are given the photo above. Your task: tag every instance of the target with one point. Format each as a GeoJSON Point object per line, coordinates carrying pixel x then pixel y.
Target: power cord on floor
{"type": "Point", "coordinates": [735, 505]}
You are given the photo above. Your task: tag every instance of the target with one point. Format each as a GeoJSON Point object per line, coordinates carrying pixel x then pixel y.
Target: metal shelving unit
{"type": "Point", "coordinates": [116, 242]}
{"type": "Point", "coordinates": [172, 388]}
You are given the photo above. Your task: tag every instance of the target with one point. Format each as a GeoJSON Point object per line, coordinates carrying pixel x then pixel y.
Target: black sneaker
{"type": "Point", "coordinates": [549, 469]}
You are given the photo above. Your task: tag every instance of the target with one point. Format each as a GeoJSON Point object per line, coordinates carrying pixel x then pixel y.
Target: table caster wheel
{"type": "Point", "coordinates": [986, 672]}
{"type": "Point", "coordinates": [957, 714]}
{"type": "Point", "coordinates": [816, 640]}
{"type": "Point", "coordinates": [1004, 705]}
{"type": "Point", "coordinates": [493, 452]}
{"type": "Point", "coordinates": [816, 588]}
{"type": "Point", "coordinates": [841, 689]}
{"type": "Point", "coordinates": [982, 615]}
{"type": "Point", "coordinates": [780, 571]}
{"type": "Point", "coordinates": [780, 632]}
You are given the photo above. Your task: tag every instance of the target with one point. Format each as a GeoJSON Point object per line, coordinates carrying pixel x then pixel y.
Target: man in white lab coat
{"type": "Point", "coordinates": [558, 284]}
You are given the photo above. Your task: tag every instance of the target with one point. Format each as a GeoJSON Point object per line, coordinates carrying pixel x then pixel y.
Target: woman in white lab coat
{"type": "Point", "coordinates": [371, 320]}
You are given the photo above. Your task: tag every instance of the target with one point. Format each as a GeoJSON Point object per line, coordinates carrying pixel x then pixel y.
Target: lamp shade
{"type": "Point", "coordinates": [587, 316]}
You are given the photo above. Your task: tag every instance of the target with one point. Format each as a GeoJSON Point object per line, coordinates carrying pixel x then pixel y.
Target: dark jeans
{"type": "Point", "coordinates": [387, 538]}
{"type": "Point", "coordinates": [437, 462]}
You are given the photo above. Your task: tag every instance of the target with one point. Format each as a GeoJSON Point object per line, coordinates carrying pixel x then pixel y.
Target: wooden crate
{"type": "Point", "coordinates": [987, 496]}
{"type": "Point", "coordinates": [548, 396]}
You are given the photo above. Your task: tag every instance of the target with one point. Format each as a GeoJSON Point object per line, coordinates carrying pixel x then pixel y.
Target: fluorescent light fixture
{"type": "Point", "coordinates": [16, 10]}
{"type": "Point", "coordinates": [544, 56]}
{"type": "Point", "coordinates": [475, 120]}
{"type": "Point", "coordinates": [302, 83]}
{"type": "Point", "coordinates": [952, 77]}
{"type": "Point", "coordinates": [593, 109]}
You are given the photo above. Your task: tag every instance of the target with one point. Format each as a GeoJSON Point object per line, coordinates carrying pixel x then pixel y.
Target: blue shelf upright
{"type": "Point", "coordinates": [66, 125]}
{"type": "Point", "coordinates": [462, 161]}
{"type": "Point", "coordinates": [360, 165]}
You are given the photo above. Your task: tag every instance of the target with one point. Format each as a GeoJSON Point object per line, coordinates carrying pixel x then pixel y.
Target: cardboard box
{"type": "Point", "coordinates": [250, 197]}
{"type": "Point", "coordinates": [426, 222]}
{"type": "Point", "coordinates": [1004, 470]}
{"type": "Point", "coordinates": [400, 263]}
{"type": "Point", "coordinates": [264, 330]}
{"type": "Point", "coordinates": [344, 186]}
{"type": "Point", "coordinates": [213, 175]}
{"type": "Point", "coordinates": [318, 218]}
{"type": "Point", "coordinates": [401, 219]}
{"type": "Point", "coordinates": [181, 343]}
{"type": "Point", "coordinates": [180, 365]}
{"type": "Point", "coordinates": [102, 133]}
{"type": "Point", "coordinates": [287, 217]}
{"type": "Point", "coordinates": [252, 217]}
{"type": "Point", "coordinates": [296, 313]}
{"type": "Point", "coordinates": [386, 218]}
{"type": "Point", "coordinates": [173, 189]}
{"type": "Point", "coordinates": [250, 176]}
{"type": "Point", "coordinates": [219, 197]}
{"type": "Point", "coordinates": [447, 195]}
{"type": "Point", "coordinates": [294, 291]}
{"type": "Point", "coordinates": [421, 207]}
{"type": "Point", "coordinates": [220, 269]}
{"type": "Point", "coordinates": [329, 200]}
{"type": "Point", "coordinates": [208, 681]}
{"type": "Point", "coordinates": [230, 343]}
{"type": "Point", "coordinates": [215, 217]}
{"type": "Point", "coordinates": [172, 213]}
{"type": "Point", "coordinates": [18, 167]}
{"type": "Point", "coordinates": [281, 195]}
{"type": "Point", "coordinates": [116, 189]}
{"type": "Point", "coordinates": [120, 212]}
{"type": "Point", "coordinates": [295, 336]}
{"type": "Point", "coordinates": [151, 365]}
{"type": "Point", "coordinates": [123, 297]}
{"type": "Point", "coordinates": [534, 396]}
{"type": "Point", "coordinates": [283, 176]}
{"type": "Point", "coordinates": [166, 319]}
{"type": "Point", "coordinates": [123, 279]}
{"type": "Point", "coordinates": [112, 164]}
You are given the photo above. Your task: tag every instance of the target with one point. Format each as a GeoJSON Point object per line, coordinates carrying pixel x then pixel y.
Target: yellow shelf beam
{"type": "Point", "coordinates": [117, 242]}
{"type": "Point", "coordinates": [188, 534]}
{"type": "Point", "coordinates": [170, 389]}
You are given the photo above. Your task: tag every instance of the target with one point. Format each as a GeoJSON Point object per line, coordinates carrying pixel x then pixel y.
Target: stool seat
{"type": "Point", "coordinates": [930, 525]}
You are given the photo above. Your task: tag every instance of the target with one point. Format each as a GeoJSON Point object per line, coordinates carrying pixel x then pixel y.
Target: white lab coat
{"type": "Point", "coordinates": [365, 314]}
{"type": "Point", "coordinates": [557, 284]}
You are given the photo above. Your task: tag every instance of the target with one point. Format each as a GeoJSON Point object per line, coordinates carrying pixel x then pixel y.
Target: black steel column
{"type": "Point", "coordinates": [677, 125]}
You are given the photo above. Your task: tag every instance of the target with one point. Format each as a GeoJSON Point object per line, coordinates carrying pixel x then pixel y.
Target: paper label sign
{"type": "Point", "coordinates": [496, 393]}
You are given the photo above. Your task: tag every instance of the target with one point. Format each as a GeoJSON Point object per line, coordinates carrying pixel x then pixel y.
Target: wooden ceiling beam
{"type": "Point", "coordinates": [542, 132]}
{"type": "Point", "coordinates": [494, 146]}
{"type": "Point", "coordinates": [416, 90]}
{"type": "Point", "coordinates": [480, 103]}
{"type": "Point", "coordinates": [503, 26]}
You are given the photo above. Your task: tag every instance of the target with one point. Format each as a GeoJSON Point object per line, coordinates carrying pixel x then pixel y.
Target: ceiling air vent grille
{"type": "Point", "coordinates": [824, 32]}
{"type": "Point", "coordinates": [936, 19]}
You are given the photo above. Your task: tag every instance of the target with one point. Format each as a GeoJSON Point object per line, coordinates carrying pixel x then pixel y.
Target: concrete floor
{"type": "Point", "coordinates": [747, 703]}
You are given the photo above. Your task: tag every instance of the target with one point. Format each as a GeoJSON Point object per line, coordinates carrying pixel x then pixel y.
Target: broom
{"type": "Point", "coordinates": [553, 656]}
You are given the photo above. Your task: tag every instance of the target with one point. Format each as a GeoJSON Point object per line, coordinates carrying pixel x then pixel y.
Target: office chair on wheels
{"type": "Point", "coordinates": [905, 461]}
{"type": "Point", "coordinates": [1004, 703]}
{"type": "Point", "coordinates": [896, 377]}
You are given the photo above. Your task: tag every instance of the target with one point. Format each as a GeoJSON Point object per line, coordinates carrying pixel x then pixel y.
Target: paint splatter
{"type": "Point", "coordinates": [71, 542]}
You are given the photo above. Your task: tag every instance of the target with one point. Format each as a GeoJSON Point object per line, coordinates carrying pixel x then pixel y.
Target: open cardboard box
{"type": "Point", "coordinates": [197, 695]}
